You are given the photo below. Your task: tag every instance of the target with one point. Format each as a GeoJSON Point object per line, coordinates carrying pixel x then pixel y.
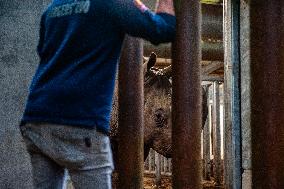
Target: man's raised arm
{"type": "Point", "coordinates": [165, 6]}
{"type": "Point", "coordinates": [134, 18]}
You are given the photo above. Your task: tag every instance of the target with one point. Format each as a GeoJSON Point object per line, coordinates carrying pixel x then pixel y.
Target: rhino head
{"type": "Point", "coordinates": [157, 110]}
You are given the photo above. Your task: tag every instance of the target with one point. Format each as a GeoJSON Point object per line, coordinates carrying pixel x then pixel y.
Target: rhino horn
{"type": "Point", "coordinates": [168, 71]}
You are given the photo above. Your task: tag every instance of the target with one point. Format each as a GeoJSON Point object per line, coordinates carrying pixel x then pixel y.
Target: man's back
{"type": "Point", "coordinates": [68, 109]}
{"type": "Point", "coordinates": [79, 46]}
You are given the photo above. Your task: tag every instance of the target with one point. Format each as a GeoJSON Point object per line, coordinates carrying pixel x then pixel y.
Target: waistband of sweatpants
{"type": "Point", "coordinates": [85, 127]}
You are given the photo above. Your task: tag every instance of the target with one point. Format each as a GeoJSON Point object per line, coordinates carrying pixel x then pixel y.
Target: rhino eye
{"type": "Point", "coordinates": [160, 118]}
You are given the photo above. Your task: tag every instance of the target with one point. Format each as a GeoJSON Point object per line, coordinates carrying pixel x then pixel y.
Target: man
{"type": "Point", "coordinates": [66, 120]}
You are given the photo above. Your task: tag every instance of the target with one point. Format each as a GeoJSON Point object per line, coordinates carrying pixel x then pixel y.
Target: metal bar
{"type": "Point", "coordinates": [187, 96]}
{"type": "Point", "coordinates": [267, 90]}
{"type": "Point", "coordinates": [212, 20]}
{"type": "Point", "coordinates": [212, 139]}
{"type": "Point", "coordinates": [158, 179]}
{"type": "Point", "coordinates": [216, 134]}
{"type": "Point", "coordinates": [228, 168]}
{"type": "Point", "coordinates": [232, 161]}
{"type": "Point", "coordinates": [213, 78]}
{"type": "Point", "coordinates": [211, 51]}
{"type": "Point", "coordinates": [236, 96]}
{"type": "Point", "coordinates": [245, 93]}
{"type": "Point", "coordinates": [165, 165]}
{"type": "Point", "coordinates": [152, 153]}
{"type": "Point", "coordinates": [206, 148]}
{"type": "Point", "coordinates": [162, 164]}
{"type": "Point", "coordinates": [130, 148]}
{"type": "Point", "coordinates": [164, 62]}
{"type": "Point", "coordinates": [150, 160]}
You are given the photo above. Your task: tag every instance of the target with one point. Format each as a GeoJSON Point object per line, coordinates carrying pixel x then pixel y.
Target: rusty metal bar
{"type": "Point", "coordinates": [187, 96]}
{"type": "Point", "coordinates": [267, 90]}
{"type": "Point", "coordinates": [130, 148]}
{"type": "Point", "coordinates": [212, 35]}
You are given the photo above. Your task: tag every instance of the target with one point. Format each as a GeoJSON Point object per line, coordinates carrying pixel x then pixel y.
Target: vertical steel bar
{"type": "Point", "coordinates": [212, 138]}
{"type": "Point", "coordinates": [158, 179]}
{"type": "Point", "coordinates": [206, 141]}
{"type": "Point", "coordinates": [228, 158]}
{"type": "Point", "coordinates": [130, 148]}
{"type": "Point", "coordinates": [206, 150]}
{"type": "Point", "coordinates": [245, 93]}
{"type": "Point", "coordinates": [232, 95]}
{"type": "Point", "coordinates": [267, 90]}
{"type": "Point", "coordinates": [152, 155]}
{"type": "Point", "coordinates": [149, 161]}
{"type": "Point", "coordinates": [216, 133]}
{"type": "Point", "coordinates": [187, 96]}
{"type": "Point", "coordinates": [236, 96]}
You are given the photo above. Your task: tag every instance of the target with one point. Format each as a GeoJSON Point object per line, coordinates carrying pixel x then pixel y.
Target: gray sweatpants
{"type": "Point", "coordinates": [86, 153]}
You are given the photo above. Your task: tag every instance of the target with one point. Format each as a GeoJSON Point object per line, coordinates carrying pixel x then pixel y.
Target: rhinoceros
{"type": "Point", "coordinates": [157, 110]}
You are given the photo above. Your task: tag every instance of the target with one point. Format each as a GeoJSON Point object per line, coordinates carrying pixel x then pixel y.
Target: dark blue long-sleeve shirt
{"type": "Point", "coordinates": [79, 47]}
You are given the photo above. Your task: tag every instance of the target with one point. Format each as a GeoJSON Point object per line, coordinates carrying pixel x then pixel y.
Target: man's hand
{"type": "Point", "coordinates": [165, 6]}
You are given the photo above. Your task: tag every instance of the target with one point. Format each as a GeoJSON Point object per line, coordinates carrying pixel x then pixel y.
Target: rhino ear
{"type": "Point", "coordinates": [150, 62]}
